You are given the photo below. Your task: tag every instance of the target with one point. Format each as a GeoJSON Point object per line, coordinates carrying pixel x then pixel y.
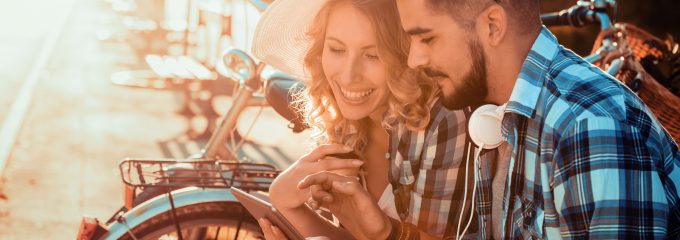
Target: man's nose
{"type": "Point", "coordinates": [417, 57]}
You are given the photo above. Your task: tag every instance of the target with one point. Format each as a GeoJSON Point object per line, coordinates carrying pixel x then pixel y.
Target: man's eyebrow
{"type": "Point", "coordinates": [418, 31]}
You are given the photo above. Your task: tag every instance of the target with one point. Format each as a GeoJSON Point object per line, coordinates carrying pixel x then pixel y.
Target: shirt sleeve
{"type": "Point", "coordinates": [606, 182]}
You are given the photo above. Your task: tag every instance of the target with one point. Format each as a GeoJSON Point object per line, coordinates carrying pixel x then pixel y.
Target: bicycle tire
{"type": "Point", "coordinates": [198, 217]}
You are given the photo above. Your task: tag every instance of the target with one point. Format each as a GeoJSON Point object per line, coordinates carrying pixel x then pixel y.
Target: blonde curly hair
{"type": "Point", "coordinates": [410, 91]}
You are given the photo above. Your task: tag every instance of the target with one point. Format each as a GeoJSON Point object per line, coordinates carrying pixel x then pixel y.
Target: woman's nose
{"type": "Point", "coordinates": [351, 71]}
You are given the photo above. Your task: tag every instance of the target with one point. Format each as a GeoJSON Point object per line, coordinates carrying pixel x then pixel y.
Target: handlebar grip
{"type": "Point", "coordinates": [553, 19]}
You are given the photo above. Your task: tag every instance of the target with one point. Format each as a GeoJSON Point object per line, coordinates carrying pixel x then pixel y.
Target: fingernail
{"type": "Point", "coordinates": [347, 148]}
{"type": "Point", "coordinates": [313, 205]}
{"type": "Point", "coordinates": [339, 184]}
{"type": "Point", "coordinates": [300, 184]}
{"type": "Point", "coordinates": [326, 199]}
{"type": "Point", "coordinates": [357, 162]}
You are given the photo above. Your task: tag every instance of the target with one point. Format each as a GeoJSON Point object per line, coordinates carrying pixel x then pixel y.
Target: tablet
{"type": "Point", "coordinates": [260, 208]}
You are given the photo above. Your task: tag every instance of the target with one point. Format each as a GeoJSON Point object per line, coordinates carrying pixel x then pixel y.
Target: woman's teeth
{"type": "Point", "coordinates": [355, 95]}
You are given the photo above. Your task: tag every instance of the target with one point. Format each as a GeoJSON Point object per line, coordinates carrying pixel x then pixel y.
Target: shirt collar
{"type": "Point", "coordinates": [529, 83]}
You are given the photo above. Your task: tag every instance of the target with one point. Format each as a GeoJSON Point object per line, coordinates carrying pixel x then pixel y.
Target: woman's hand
{"type": "Point", "coordinates": [284, 193]}
{"type": "Point", "coordinates": [270, 231]}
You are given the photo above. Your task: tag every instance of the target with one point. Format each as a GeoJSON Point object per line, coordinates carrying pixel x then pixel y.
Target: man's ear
{"type": "Point", "coordinates": [493, 24]}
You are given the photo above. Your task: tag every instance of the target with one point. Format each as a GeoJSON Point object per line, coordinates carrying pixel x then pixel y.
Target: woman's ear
{"type": "Point", "coordinates": [493, 24]}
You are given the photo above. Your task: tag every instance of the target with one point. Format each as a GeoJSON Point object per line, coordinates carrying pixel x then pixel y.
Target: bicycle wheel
{"type": "Point", "coordinates": [213, 220]}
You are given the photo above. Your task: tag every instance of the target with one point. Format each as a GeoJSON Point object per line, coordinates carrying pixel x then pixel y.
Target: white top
{"type": "Point", "coordinates": [386, 203]}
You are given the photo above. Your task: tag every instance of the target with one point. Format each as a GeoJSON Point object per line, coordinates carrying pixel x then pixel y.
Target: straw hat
{"type": "Point", "coordinates": [280, 36]}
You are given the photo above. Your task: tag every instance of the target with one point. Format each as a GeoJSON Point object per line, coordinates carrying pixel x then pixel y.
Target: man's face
{"type": "Point", "coordinates": [446, 51]}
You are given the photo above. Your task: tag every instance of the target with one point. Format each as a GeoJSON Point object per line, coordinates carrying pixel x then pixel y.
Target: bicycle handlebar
{"type": "Point", "coordinates": [577, 16]}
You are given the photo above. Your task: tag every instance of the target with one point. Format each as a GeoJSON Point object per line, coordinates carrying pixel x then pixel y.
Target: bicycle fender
{"type": "Point", "coordinates": [160, 204]}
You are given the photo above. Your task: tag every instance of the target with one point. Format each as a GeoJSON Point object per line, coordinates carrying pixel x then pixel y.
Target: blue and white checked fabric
{"type": "Point", "coordinates": [589, 159]}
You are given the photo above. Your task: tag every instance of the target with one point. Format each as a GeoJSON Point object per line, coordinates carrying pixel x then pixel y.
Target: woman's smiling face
{"type": "Point", "coordinates": [351, 64]}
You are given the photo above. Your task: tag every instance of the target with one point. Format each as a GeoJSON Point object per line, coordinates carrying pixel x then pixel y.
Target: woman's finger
{"type": "Point", "coordinates": [270, 231]}
{"type": "Point", "coordinates": [324, 179]}
{"type": "Point", "coordinates": [278, 234]}
{"type": "Point", "coordinates": [324, 150]}
{"type": "Point", "coordinates": [266, 228]}
{"type": "Point", "coordinates": [326, 164]}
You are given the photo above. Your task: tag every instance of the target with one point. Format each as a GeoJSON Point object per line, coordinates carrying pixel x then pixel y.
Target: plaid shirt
{"type": "Point", "coordinates": [589, 159]}
{"type": "Point", "coordinates": [427, 164]}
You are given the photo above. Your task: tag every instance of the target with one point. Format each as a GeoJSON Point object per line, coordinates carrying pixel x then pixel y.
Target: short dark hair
{"type": "Point", "coordinates": [526, 13]}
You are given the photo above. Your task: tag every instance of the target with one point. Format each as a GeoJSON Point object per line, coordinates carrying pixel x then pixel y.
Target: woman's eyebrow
{"type": "Point", "coordinates": [335, 39]}
{"type": "Point", "coordinates": [342, 43]}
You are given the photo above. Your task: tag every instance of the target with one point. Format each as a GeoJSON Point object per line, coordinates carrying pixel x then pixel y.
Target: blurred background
{"type": "Point", "coordinates": [658, 17]}
{"type": "Point", "coordinates": [86, 83]}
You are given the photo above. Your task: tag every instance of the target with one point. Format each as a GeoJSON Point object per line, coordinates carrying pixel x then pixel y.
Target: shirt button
{"type": "Point", "coordinates": [387, 155]}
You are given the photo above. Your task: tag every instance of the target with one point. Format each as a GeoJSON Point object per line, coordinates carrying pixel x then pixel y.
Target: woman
{"type": "Point", "coordinates": [359, 85]}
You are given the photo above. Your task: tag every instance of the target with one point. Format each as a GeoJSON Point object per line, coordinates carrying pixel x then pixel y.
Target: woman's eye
{"type": "Point", "coordinates": [371, 56]}
{"type": "Point", "coordinates": [336, 50]}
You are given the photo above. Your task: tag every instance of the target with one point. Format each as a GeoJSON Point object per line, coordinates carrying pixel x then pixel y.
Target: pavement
{"type": "Point", "coordinates": [62, 163]}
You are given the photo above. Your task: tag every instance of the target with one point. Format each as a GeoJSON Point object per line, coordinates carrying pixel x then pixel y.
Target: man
{"type": "Point", "coordinates": [585, 157]}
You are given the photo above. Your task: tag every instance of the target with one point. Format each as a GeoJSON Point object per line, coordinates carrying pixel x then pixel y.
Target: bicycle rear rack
{"type": "Point", "coordinates": [172, 173]}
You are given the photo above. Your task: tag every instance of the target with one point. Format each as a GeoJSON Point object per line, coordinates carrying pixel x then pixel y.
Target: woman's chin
{"type": "Point", "coordinates": [353, 114]}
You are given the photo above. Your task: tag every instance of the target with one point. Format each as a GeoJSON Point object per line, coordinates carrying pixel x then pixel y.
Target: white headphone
{"type": "Point", "coordinates": [484, 128]}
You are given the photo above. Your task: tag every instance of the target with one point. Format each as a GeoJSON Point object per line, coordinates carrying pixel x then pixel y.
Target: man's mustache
{"type": "Point", "coordinates": [433, 73]}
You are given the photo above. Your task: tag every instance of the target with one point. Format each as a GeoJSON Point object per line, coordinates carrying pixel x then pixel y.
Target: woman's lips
{"type": "Point", "coordinates": [356, 96]}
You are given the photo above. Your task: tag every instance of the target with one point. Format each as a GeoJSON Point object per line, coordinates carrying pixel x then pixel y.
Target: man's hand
{"type": "Point", "coordinates": [343, 196]}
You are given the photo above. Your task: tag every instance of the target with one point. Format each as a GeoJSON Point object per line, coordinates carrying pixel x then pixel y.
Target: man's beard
{"type": "Point", "coordinates": [473, 89]}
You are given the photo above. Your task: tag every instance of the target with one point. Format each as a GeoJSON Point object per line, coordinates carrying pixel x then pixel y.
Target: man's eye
{"type": "Point", "coordinates": [427, 40]}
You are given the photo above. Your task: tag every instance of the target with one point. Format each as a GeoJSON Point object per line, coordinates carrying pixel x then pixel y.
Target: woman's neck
{"type": "Point", "coordinates": [376, 164]}
{"type": "Point", "coordinates": [376, 117]}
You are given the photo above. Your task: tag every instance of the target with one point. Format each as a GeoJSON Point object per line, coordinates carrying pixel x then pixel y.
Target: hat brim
{"type": "Point", "coordinates": [280, 38]}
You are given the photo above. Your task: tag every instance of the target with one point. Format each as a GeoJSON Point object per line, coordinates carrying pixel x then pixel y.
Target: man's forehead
{"type": "Point", "coordinates": [412, 13]}
{"type": "Point", "coordinates": [418, 18]}
{"type": "Point", "coordinates": [412, 7]}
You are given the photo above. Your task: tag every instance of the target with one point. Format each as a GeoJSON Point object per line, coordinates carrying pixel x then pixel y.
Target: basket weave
{"type": "Point", "coordinates": [662, 102]}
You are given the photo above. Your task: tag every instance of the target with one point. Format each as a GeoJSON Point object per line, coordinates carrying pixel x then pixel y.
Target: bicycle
{"type": "Point", "coordinates": [189, 199]}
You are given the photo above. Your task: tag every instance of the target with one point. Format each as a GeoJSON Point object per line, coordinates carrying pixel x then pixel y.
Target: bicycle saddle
{"type": "Point", "coordinates": [279, 94]}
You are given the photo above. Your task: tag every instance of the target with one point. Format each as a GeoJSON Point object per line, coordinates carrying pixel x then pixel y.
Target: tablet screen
{"type": "Point", "coordinates": [260, 208]}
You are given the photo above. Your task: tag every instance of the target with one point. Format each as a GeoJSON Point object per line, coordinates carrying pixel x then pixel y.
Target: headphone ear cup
{"type": "Point", "coordinates": [484, 127]}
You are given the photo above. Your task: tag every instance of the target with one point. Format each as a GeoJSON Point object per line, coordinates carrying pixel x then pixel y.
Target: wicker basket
{"type": "Point", "coordinates": [662, 102]}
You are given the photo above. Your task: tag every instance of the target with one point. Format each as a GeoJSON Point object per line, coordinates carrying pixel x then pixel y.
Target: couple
{"type": "Point", "coordinates": [582, 156]}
